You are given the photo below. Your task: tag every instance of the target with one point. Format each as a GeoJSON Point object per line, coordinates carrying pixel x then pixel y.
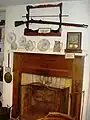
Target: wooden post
{"type": "Point", "coordinates": [16, 91]}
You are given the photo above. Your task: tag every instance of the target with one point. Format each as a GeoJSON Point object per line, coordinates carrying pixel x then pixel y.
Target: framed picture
{"type": "Point", "coordinates": [74, 42]}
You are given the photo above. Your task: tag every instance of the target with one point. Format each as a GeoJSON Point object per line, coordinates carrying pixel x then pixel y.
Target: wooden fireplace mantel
{"type": "Point", "coordinates": [49, 65]}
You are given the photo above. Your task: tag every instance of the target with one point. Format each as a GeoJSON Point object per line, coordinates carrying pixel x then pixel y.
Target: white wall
{"type": "Point", "coordinates": [2, 17]}
{"type": "Point", "coordinates": [78, 13]}
{"type": "Point", "coordinates": [88, 99]}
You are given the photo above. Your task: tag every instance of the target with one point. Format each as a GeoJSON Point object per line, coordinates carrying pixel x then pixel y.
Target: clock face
{"type": "Point", "coordinates": [73, 39]}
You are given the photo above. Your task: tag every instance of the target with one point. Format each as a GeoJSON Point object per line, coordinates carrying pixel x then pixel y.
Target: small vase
{"type": "Point", "coordinates": [57, 46]}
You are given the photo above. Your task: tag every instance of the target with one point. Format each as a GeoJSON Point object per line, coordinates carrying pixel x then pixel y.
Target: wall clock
{"type": "Point", "coordinates": [74, 42]}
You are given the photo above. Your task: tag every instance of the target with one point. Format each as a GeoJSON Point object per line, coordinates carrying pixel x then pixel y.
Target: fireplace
{"type": "Point", "coordinates": [43, 92]}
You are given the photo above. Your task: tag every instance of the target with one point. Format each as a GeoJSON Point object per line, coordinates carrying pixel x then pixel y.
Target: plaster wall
{"type": "Point", "coordinates": [2, 17]}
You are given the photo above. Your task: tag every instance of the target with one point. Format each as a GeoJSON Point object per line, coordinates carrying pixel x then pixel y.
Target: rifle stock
{"type": "Point", "coordinates": [18, 23]}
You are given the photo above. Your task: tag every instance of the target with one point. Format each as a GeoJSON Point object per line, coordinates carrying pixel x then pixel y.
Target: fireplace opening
{"type": "Point", "coordinates": [41, 95]}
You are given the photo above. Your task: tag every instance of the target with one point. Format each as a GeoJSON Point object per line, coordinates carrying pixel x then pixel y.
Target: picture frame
{"type": "Point", "coordinates": [73, 43]}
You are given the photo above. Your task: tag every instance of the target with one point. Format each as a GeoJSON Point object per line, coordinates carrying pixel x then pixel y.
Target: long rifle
{"type": "Point", "coordinates": [18, 23]}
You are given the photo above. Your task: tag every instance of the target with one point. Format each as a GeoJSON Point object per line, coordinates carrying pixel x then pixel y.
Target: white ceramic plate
{"type": "Point", "coordinates": [43, 45]}
{"type": "Point", "coordinates": [30, 45]}
{"type": "Point", "coordinates": [11, 37]}
{"type": "Point", "coordinates": [13, 46]}
{"type": "Point", "coordinates": [22, 41]}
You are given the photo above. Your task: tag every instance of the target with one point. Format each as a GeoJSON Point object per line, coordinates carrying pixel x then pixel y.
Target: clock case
{"type": "Point", "coordinates": [74, 50]}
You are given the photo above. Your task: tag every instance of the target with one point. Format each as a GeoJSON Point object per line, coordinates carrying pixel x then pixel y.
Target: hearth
{"type": "Point", "coordinates": [42, 83]}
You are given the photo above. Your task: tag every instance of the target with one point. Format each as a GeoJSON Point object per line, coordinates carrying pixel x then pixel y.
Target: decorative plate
{"type": "Point", "coordinates": [30, 45]}
{"type": "Point", "coordinates": [43, 45]}
{"type": "Point", "coordinates": [22, 41]}
{"type": "Point", "coordinates": [13, 46]}
{"type": "Point", "coordinates": [11, 37]}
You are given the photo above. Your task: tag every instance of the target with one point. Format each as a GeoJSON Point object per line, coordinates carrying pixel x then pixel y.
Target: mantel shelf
{"type": "Point", "coordinates": [83, 54]}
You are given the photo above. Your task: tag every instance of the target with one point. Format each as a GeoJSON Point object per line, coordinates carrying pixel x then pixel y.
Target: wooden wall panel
{"type": "Point", "coordinates": [49, 65]}
{"type": "Point", "coordinates": [16, 94]}
{"type": "Point", "coordinates": [77, 82]}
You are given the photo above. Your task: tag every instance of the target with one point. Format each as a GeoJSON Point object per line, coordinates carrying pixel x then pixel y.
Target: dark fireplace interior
{"type": "Point", "coordinates": [40, 85]}
{"type": "Point", "coordinates": [37, 100]}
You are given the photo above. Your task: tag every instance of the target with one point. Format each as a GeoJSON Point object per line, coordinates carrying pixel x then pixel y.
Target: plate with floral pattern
{"type": "Point", "coordinates": [43, 45]}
